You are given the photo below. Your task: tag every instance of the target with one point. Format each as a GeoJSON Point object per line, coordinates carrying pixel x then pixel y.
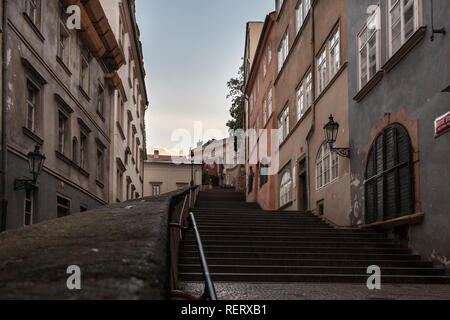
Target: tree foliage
{"type": "Point", "coordinates": [237, 101]}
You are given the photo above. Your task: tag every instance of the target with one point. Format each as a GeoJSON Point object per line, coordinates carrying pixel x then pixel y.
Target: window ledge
{"type": "Point", "coordinates": [389, 224]}
{"type": "Point", "coordinates": [405, 48]}
{"type": "Point", "coordinates": [84, 93]}
{"type": "Point", "coordinates": [34, 27]}
{"type": "Point", "coordinates": [119, 126]}
{"type": "Point", "coordinates": [33, 136]}
{"type": "Point", "coordinates": [369, 86]}
{"type": "Point", "coordinates": [101, 116]}
{"type": "Point", "coordinates": [99, 183]}
{"type": "Point", "coordinates": [62, 157]}
{"type": "Point", "coordinates": [287, 205]}
{"type": "Point", "coordinates": [64, 66]}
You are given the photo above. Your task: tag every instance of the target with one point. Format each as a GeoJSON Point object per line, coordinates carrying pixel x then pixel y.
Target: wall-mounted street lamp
{"type": "Point", "coordinates": [331, 132]}
{"type": "Point", "coordinates": [36, 162]}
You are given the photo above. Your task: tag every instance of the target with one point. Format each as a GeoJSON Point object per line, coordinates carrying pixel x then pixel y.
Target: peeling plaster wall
{"type": "Point", "coordinates": [415, 83]}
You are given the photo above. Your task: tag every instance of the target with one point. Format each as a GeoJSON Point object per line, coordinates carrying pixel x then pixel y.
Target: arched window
{"type": "Point", "coordinates": [75, 150]}
{"type": "Point", "coordinates": [327, 166]}
{"type": "Point", "coordinates": [389, 176]}
{"type": "Point", "coordinates": [286, 189]}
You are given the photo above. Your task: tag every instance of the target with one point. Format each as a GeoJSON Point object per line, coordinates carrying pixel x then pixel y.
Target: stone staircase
{"type": "Point", "coordinates": [246, 244]}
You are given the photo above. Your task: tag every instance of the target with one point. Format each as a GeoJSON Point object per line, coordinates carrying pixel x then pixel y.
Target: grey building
{"type": "Point", "coordinates": [60, 85]}
{"type": "Point", "coordinates": [399, 78]}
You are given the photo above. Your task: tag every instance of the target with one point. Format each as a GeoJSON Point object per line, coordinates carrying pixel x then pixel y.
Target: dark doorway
{"type": "Point", "coordinates": [302, 194]}
{"type": "Point", "coordinates": [389, 176]}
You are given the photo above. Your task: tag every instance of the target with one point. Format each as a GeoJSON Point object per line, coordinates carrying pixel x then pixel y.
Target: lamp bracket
{"type": "Point", "coordinates": [24, 184]}
{"type": "Point", "coordinates": [342, 152]}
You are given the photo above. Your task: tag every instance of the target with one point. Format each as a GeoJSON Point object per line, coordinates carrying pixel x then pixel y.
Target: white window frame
{"type": "Point", "coordinates": [264, 112]}
{"type": "Point", "coordinates": [309, 89]}
{"type": "Point", "coordinates": [299, 15]}
{"type": "Point", "coordinates": [270, 101]}
{"type": "Point", "coordinates": [327, 162]}
{"type": "Point", "coordinates": [373, 20]}
{"type": "Point", "coordinates": [403, 39]}
{"type": "Point", "coordinates": [300, 101]}
{"type": "Point", "coordinates": [62, 131]}
{"type": "Point", "coordinates": [283, 50]}
{"type": "Point", "coordinates": [286, 188]}
{"type": "Point", "coordinates": [334, 51]}
{"type": "Point", "coordinates": [33, 105]}
{"type": "Point", "coordinates": [29, 198]}
{"type": "Point", "coordinates": [322, 71]}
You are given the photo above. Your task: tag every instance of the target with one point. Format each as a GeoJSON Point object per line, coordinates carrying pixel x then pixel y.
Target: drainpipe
{"type": "Point", "coordinates": [4, 200]}
{"type": "Point", "coordinates": [311, 130]}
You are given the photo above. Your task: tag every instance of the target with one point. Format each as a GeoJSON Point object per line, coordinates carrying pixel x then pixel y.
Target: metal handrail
{"type": "Point", "coordinates": [210, 291]}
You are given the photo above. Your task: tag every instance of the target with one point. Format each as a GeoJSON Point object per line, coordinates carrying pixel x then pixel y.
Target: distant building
{"type": "Point", "coordinates": [129, 105]}
{"type": "Point", "coordinates": [165, 174]}
{"type": "Point", "coordinates": [259, 115]}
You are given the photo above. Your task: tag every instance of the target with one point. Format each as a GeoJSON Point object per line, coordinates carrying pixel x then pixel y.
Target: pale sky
{"type": "Point", "coordinates": [191, 49]}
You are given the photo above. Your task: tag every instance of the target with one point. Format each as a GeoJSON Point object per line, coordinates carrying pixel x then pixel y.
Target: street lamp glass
{"type": "Point", "coordinates": [331, 131]}
{"type": "Point", "coordinates": [36, 161]}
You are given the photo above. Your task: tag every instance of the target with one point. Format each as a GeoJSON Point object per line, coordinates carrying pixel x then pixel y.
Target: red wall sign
{"type": "Point", "coordinates": [442, 124]}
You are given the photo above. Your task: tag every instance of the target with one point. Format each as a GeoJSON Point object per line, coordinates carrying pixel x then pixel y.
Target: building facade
{"type": "Point", "coordinates": [310, 84]}
{"type": "Point", "coordinates": [58, 97]}
{"type": "Point", "coordinates": [260, 98]}
{"type": "Point", "coordinates": [128, 150]}
{"type": "Point", "coordinates": [399, 78]}
{"type": "Point", "coordinates": [164, 174]}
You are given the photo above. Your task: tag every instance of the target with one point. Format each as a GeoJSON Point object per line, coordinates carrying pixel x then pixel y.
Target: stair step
{"type": "Point", "coordinates": [334, 278]}
{"type": "Point", "coordinates": [296, 249]}
{"type": "Point", "coordinates": [310, 270]}
{"type": "Point", "coordinates": [310, 233]}
{"type": "Point", "coordinates": [293, 255]}
{"type": "Point", "coordinates": [347, 238]}
{"type": "Point", "coordinates": [310, 262]}
{"type": "Point", "coordinates": [290, 244]}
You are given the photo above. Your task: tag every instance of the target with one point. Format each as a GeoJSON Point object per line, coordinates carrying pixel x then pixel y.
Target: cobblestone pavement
{"type": "Point", "coordinates": [320, 291]}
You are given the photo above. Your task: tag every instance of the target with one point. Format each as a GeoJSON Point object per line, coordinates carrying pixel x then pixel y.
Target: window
{"type": "Point", "coordinates": [120, 109]}
{"type": "Point", "coordinates": [121, 33]}
{"type": "Point", "coordinates": [119, 185]}
{"type": "Point", "coordinates": [28, 208]}
{"type": "Point", "coordinates": [64, 38]}
{"type": "Point", "coordinates": [269, 52]}
{"type": "Point", "coordinates": [327, 166]}
{"type": "Point", "coordinates": [403, 22]}
{"type": "Point", "coordinates": [100, 165]}
{"type": "Point", "coordinates": [75, 150]}
{"type": "Point", "coordinates": [269, 98]}
{"type": "Point", "coordinates": [63, 207]}
{"type": "Point", "coordinates": [156, 190]}
{"type": "Point", "coordinates": [283, 50]}
{"type": "Point", "coordinates": [33, 10]}
{"type": "Point", "coordinates": [368, 49]}
{"type": "Point", "coordinates": [32, 100]}
{"type": "Point", "coordinates": [299, 15]}
{"type": "Point", "coordinates": [334, 54]}
{"type": "Point", "coordinates": [264, 112]}
{"type": "Point", "coordinates": [84, 73]}
{"type": "Point", "coordinates": [283, 124]}
{"type": "Point", "coordinates": [280, 4]}
{"type": "Point", "coordinates": [263, 172]}
{"type": "Point", "coordinates": [322, 71]}
{"type": "Point", "coordinates": [62, 131]}
{"type": "Point", "coordinates": [265, 66]}
{"type": "Point", "coordinates": [101, 100]}
{"type": "Point", "coordinates": [307, 6]}
{"type": "Point", "coordinates": [300, 102]}
{"type": "Point", "coordinates": [83, 150]}
{"type": "Point", "coordinates": [308, 88]}
{"type": "Point", "coordinates": [389, 186]}
{"type": "Point", "coordinates": [286, 189]}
